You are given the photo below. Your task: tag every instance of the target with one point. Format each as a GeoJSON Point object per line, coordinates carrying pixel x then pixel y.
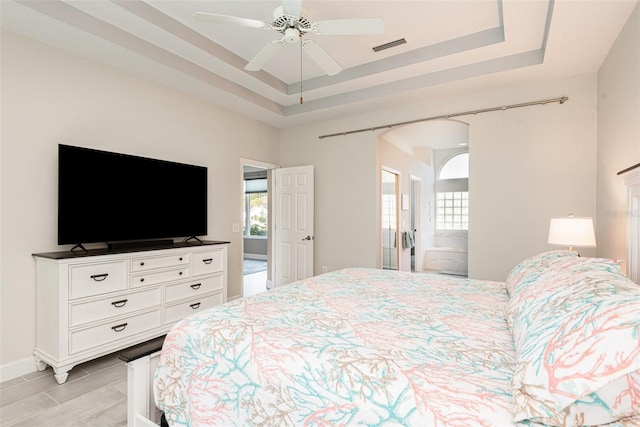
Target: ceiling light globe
{"type": "Point", "coordinates": [292, 35]}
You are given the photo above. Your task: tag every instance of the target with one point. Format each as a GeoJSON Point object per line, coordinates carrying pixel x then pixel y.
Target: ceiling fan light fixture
{"type": "Point", "coordinates": [292, 22]}
{"type": "Point", "coordinates": [292, 35]}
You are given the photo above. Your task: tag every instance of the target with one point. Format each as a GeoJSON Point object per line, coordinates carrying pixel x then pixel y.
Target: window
{"type": "Point", "coordinates": [456, 167]}
{"type": "Point", "coordinates": [452, 195]}
{"type": "Point", "coordinates": [256, 204]}
{"type": "Point", "coordinates": [453, 210]}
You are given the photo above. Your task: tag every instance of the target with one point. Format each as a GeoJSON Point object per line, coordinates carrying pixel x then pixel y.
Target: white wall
{"type": "Point", "coordinates": [618, 136]}
{"type": "Point", "coordinates": [49, 97]}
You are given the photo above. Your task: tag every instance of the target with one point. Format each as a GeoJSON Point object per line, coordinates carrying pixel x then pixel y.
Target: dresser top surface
{"type": "Point", "coordinates": [106, 251]}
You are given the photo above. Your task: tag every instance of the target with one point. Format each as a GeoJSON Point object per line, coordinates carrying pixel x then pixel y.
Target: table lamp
{"type": "Point", "coordinates": [572, 231]}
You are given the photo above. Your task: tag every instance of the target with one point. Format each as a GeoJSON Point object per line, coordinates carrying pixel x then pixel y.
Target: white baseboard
{"type": "Point", "coordinates": [255, 256]}
{"type": "Point", "coordinates": [17, 369]}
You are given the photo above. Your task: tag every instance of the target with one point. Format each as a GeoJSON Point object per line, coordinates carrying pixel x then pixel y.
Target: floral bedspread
{"type": "Point", "coordinates": [359, 347]}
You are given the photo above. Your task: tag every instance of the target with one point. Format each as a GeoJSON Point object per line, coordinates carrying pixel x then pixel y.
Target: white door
{"type": "Point", "coordinates": [293, 224]}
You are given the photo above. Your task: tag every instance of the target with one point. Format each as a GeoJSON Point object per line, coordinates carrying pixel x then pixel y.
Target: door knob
{"type": "Point", "coordinates": [308, 238]}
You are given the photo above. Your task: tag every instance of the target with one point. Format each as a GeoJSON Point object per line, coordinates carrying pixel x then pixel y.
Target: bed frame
{"type": "Point", "coordinates": [142, 360]}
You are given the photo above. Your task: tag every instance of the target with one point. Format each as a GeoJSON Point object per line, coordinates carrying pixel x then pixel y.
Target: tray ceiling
{"type": "Point", "coordinates": [476, 42]}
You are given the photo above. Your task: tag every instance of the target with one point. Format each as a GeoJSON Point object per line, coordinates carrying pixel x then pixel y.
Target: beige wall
{"type": "Point", "coordinates": [345, 193]}
{"type": "Point", "coordinates": [618, 136]}
{"type": "Point", "coordinates": [49, 97]}
{"type": "Point", "coordinates": [526, 166]}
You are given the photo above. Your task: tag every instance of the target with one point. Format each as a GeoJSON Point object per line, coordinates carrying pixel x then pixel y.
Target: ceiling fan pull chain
{"type": "Point", "coordinates": [301, 100]}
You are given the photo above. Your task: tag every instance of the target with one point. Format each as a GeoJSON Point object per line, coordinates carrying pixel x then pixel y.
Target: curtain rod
{"type": "Point", "coordinates": [561, 100]}
{"type": "Point", "coordinates": [630, 168]}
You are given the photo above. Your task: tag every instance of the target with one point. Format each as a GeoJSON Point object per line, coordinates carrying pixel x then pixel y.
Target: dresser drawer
{"type": "Point", "coordinates": [177, 312]}
{"type": "Point", "coordinates": [146, 279]}
{"type": "Point", "coordinates": [92, 311]}
{"type": "Point", "coordinates": [151, 263]}
{"type": "Point", "coordinates": [95, 279]}
{"type": "Point", "coordinates": [193, 288]}
{"type": "Point", "coordinates": [208, 262]}
{"type": "Point", "coordinates": [84, 339]}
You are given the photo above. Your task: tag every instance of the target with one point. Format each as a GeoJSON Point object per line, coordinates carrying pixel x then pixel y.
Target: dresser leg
{"type": "Point", "coordinates": [61, 377]}
{"type": "Point", "coordinates": [41, 365]}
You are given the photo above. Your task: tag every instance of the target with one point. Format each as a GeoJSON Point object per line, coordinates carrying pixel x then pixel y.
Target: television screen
{"type": "Point", "coordinates": [110, 197]}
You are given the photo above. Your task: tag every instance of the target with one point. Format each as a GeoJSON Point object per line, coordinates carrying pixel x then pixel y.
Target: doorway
{"type": "Point", "coordinates": [255, 227]}
{"type": "Point", "coordinates": [283, 199]}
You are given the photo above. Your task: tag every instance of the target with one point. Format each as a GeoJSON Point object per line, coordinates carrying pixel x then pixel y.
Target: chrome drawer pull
{"type": "Point", "coordinates": [196, 286]}
{"type": "Point", "coordinates": [207, 261]}
{"type": "Point", "coordinates": [99, 277]}
{"type": "Point", "coordinates": [119, 328]}
{"type": "Point", "coordinates": [195, 306]}
{"type": "Point", "coordinates": [120, 303]}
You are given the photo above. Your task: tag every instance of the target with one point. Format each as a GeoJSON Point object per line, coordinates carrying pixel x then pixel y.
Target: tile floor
{"type": "Point", "coordinates": [94, 395]}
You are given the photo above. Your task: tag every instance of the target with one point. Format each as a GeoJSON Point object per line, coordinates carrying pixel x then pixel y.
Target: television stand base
{"type": "Point", "coordinates": [79, 246]}
{"type": "Point", "coordinates": [139, 244]}
{"type": "Point", "coordinates": [187, 239]}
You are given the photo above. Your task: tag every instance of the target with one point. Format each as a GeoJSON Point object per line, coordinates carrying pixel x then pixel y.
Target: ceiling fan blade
{"type": "Point", "coordinates": [230, 20]}
{"type": "Point", "coordinates": [351, 26]}
{"type": "Point", "coordinates": [292, 7]}
{"type": "Point", "coordinates": [264, 56]}
{"type": "Point", "coordinates": [322, 58]}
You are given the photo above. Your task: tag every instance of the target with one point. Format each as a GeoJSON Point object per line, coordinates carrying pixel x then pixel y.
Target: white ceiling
{"type": "Point", "coordinates": [478, 42]}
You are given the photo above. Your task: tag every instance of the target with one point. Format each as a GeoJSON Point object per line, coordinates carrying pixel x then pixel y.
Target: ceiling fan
{"type": "Point", "coordinates": [293, 22]}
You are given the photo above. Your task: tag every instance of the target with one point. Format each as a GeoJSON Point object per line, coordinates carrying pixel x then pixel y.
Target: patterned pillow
{"type": "Point", "coordinates": [577, 339]}
{"type": "Point", "coordinates": [527, 271]}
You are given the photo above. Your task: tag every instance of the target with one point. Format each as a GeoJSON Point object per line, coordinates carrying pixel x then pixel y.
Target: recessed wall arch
{"type": "Point", "coordinates": [432, 143]}
{"type": "Point", "coordinates": [434, 134]}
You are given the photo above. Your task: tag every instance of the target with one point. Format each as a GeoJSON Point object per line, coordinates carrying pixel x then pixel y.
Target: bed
{"type": "Point", "coordinates": [558, 343]}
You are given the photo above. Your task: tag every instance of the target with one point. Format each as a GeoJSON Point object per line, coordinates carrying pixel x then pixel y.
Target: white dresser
{"type": "Point", "coordinates": [93, 303]}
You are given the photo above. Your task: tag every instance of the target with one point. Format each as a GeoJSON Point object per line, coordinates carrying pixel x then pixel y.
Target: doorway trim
{"type": "Point", "coordinates": [416, 211]}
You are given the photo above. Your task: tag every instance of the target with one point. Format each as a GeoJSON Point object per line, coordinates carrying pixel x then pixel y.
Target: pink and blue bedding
{"type": "Point", "coordinates": [371, 347]}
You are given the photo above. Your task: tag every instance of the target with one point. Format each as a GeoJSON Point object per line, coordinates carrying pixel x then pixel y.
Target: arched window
{"type": "Point", "coordinates": [455, 167]}
{"type": "Point", "coordinates": [452, 194]}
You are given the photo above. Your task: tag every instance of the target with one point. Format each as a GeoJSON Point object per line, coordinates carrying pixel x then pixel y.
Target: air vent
{"type": "Point", "coordinates": [389, 45]}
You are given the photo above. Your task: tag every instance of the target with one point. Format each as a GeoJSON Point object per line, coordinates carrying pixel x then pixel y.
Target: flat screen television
{"type": "Point", "coordinates": [111, 197]}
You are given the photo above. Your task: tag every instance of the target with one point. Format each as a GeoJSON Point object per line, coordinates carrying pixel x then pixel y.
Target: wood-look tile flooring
{"type": "Point", "coordinates": [94, 395]}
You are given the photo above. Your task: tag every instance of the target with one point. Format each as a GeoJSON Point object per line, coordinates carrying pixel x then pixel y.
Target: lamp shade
{"type": "Point", "coordinates": [572, 231]}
